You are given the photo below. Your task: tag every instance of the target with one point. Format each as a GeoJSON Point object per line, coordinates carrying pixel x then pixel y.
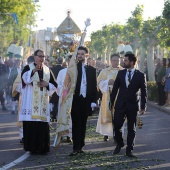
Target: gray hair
{"type": "Point", "coordinates": [59, 60]}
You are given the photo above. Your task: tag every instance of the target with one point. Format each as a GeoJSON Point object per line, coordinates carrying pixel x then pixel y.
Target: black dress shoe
{"type": "Point", "coordinates": [130, 154]}
{"type": "Point", "coordinates": [105, 138]}
{"type": "Point", "coordinates": [22, 140]}
{"type": "Point", "coordinates": [117, 149]}
{"type": "Point", "coordinates": [74, 153]}
{"type": "Point", "coordinates": [68, 139]}
{"type": "Point", "coordinates": [114, 138]}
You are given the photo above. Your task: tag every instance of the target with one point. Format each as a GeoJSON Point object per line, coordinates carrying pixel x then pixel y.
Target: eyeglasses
{"type": "Point", "coordinates": [115, 60]}
{"type": "Point", "coordinates": [41, 56]}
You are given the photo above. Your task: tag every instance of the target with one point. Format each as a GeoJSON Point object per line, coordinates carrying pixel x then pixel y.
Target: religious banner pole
{"type": "Point", "coordinates": [65, 105]}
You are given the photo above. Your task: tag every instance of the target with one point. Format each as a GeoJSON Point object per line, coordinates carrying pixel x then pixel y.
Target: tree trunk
{"type": "Point", "coordinates": [108, 54]}
{"type": "Point", "coordinates": [135, 51]}
{"type": "Point", "coordinates": [150, 63]}
{"type": "Point", "coordinates": [142, 59]}
{"type": "Point", "coordinates": [158, 51]}
{"type": "Point", "coordinates": [103, 56]}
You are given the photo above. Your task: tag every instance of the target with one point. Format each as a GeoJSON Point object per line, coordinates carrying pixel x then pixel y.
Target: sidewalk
{"type": "Point", "coordinates": [161, 108]}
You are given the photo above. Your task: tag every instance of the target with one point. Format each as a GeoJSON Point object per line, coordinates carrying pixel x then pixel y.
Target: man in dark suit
{"type": "Point", "coordinates": [12, 74]}
{"type": "Point", "coordinates": [84, 100]}
{"type": "Point", "coordinates": [16, 70]}
{"type": "Point", "coordinates": [3, 80]}
{"type": "Point", "coordinates": [55, 98]}
{"type": "Point", "coordinates": [127, 84]}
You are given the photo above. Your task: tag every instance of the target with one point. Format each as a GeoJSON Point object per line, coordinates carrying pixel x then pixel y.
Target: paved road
{"type": "Point", "coordinates": [152, 148]}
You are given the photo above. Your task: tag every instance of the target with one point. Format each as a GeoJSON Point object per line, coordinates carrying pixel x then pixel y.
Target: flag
{"type": "Point", "coordinates": [65, 105]}
{"type": "Point", "coordinates": [14, 16]}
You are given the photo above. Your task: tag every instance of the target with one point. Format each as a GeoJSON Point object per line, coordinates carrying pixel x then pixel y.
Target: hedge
{"type": "Point", "coordinates": [152, 91]}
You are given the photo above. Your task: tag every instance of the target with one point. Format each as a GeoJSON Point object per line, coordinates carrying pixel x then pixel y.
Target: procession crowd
{"type": "Point", "coordinates": [117, 90]}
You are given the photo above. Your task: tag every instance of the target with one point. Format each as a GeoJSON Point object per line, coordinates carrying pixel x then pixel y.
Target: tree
{"type": "Point", "coordinates": [98, 41]}
{"type": "Point", "coordinates": [150, 33]}
{"type": "Point", "coordinates": [105, 41]}
{"type": "Point", "coordinates": [9, 29]}
{"type": "Point", "coordinates": [133, 27]}
{"type": "Point", "coordinates": [166, 16]}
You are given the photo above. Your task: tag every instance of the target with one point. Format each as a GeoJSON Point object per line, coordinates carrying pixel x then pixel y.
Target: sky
{"type": "Point", "coordinates": [101, 12]}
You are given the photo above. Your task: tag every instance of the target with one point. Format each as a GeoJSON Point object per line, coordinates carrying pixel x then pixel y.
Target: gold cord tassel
{"type": "Point", "coordinates": [139, 122]}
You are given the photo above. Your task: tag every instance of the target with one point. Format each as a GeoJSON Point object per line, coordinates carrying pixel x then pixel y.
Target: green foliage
{"type": "Point", "coordinates": [152, 90]}
{"type": "Point", "coordinates": [98, 41]}
{"type": "Point", "coordinates": [101, 39]}
{"type": "Point", "coordinates": [166, 11]}
{"type": "Point", "coordinates": [133, 26]}
{"type": "Point", "coordinates": [166, 24]}
{"type": "Point", "coordinates": [151, 32]}
{"type": "Point", "coordinates": [26, 13]}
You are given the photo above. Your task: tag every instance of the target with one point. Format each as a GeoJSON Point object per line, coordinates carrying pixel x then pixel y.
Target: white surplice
{"type": "Point", "coordinates": [27, 93]}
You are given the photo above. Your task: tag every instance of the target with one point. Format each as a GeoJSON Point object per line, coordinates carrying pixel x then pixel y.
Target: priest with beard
{"type": "Point", "coordinates": [38, 83]}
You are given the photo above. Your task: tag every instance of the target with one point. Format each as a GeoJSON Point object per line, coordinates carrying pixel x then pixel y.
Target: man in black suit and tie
{"type": "Point", "coordinates": [55, 98]}
{"type": "Point", "coordinates": [84, 100]}
{"type": "Point", "coordinates": [128, 83]}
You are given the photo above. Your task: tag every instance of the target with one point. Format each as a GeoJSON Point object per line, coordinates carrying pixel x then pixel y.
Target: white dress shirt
{"type": "Point", "coordinates": [83, 87]}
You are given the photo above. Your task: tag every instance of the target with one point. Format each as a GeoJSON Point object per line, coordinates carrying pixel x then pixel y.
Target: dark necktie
{"type": "Point", "coordinates": [40, 74]}
{"type": "Point", "coordinates": [79, 77]}
{"type": "Point", "coordinates": [129, 76]}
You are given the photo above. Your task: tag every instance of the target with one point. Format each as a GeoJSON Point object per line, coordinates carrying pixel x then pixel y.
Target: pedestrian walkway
{"type": "Point", "coordinates": [165, 109]}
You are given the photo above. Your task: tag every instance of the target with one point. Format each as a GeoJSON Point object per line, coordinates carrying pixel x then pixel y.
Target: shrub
{"type": "Point", "coordinates": [152, 91]}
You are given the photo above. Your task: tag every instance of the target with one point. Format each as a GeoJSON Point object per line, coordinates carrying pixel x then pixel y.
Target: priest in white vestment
{"type": "Point", "coordinates": [38, 84]}
{"type": "Point", "coordinates": [17, 90]}
{"type": "Point", "coordinates": [105, 83]}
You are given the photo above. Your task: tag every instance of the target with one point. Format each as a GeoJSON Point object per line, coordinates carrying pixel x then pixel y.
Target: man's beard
{"type": "Point", "coordinates": [126, 66]}
{"type": "Point", "coordinates": [81, 60]}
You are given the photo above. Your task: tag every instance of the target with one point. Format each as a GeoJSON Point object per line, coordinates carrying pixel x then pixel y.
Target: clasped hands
{"type": "Point", "coordinates": [42, 83]}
